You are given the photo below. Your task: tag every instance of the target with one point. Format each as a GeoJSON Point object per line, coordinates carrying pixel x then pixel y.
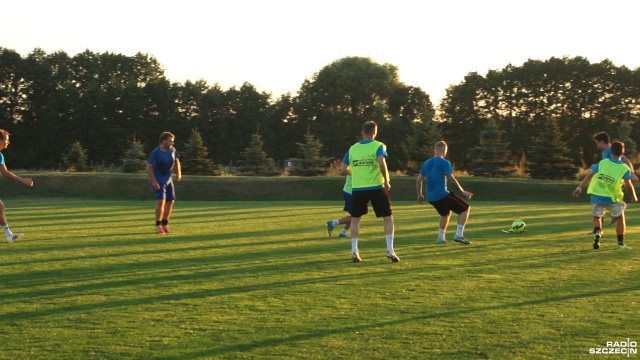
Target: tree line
{"type": "Point", "coordinates": [111, 104]}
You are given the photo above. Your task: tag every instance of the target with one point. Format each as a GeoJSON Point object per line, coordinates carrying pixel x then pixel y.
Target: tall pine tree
{"type": "Point", "coordinates": [255, 160]}
{"type": "Point", "coordinates": [311, 163]}
{"type": "Point", "coordinates": [548, 157]}
{"type": "Point", "coordinates": [491, 158]}
{"type": "Point", "coordinates": [134, 159]}
{"type": "Point", "coordinates": [418, 146]}
{"type": "Point", "coordinates": [195, 157]}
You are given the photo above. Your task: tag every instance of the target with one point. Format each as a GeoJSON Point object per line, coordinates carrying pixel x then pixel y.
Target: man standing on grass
{"type": "Point", "coordinates": [162, 161]}
{"type": "Point", "coordinates": [4, 143]}
{"type": "Point", "coordinates": [605, 186]}
{"type": "Point", "coordinates": [366, 163]}
{"type": "Point", "coordinates": [437, 171]}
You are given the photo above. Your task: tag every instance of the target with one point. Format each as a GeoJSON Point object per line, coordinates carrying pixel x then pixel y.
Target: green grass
{"type": "Point", "coordinates": [260, 280]}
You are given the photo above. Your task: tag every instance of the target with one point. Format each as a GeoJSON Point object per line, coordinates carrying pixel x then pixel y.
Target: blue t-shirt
{"type": "Point", "coordinates": [597, 199]}
{"type": "Point", "coordinates": [435, 170]}
{"type": "Point", "coordinates": [163, 162]}
{"type": "Point", "coordinates": [1, 159]}
{"type": "Point", "coordinates": [380, 152]}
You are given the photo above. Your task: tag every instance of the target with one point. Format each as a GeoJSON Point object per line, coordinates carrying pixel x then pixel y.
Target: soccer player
{"type": "Point", "coordinates": [348, 207]}
{"type": "Point", "coordinates": [366, 163]}
{"type": "Point", "coordinates": [162, 161]}
{"type": "Point", "coordinates": [603, 142]}
{"type": "Point", "coordinates": [4, 143]}
{"type": "Point", "coordinates": [437, 171]}
{"type": "Point", "coordinates": [605, 182]}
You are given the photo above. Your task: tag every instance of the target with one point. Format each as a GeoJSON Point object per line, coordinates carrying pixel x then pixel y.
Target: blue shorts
{"type": "Point", "coordinates": [348, 202]}
{"type": "Point", "coordinates": [166, 192]}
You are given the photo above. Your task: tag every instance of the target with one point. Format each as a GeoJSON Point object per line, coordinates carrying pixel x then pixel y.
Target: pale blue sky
{"type": "Point", "coordinates": [277, 44]}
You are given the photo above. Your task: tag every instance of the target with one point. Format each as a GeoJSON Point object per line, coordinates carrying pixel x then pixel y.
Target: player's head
{"type": "Point", "coordinates": [4, 138]}
{"type": "Point", "coordinates": [167, 138]}
{"type": "Point", "coordinates": [370, 128]}
{"type": "Point", "coordinates": [602, 139]}
{"type": "Point", "coordinates": [617, 149]}
{"type": "Point", "coordinates": [441, 148]}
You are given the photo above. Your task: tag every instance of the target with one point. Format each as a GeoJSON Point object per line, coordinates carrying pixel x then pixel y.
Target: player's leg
{"type": "Point", "coordinates": [159, 214]}
{"type": "Point", "coordinates": [598, 214]}
{"type": "Point", "coordinates": [381, 203]}
{"type": "Point", "coordinates": [461, 208]}
{"type": "Point", "coordinates": [360, 203]}
{"type": "Point", "coordinates": [170, 197]}
{"type": "Point", "coordinates": [9, 235]}
{"type": "Point", "coordinates": [355, 232]}
{"type": "Point", "coordinates": [617, 213]}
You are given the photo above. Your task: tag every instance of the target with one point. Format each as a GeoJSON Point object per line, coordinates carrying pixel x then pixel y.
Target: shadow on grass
{"type": "Point", "coordinates": [247, 347]}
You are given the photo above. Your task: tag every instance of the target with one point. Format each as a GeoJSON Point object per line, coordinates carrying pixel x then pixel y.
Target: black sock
{"type": "Point", "coordinates": [597, 228]}
{"type": "Point", "coordinates": [158, 223]}
{"type": "Point", "coordinates": [165, 222]}
{"type": "Point", "coordinates": [620, 239]}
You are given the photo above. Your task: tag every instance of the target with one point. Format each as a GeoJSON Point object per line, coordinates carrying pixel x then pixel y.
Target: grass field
{"type": "Point", "coordinates": [261, 280]}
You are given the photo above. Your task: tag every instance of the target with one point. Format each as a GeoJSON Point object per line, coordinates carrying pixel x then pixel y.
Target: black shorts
{"type": "Point", "coordinates": [450, 203]}
{"type": "Point", "coordinates": [380, 201]}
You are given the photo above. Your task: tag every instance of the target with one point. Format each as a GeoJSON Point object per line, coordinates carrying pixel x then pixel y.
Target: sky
{"type": "Point", "coordinates": [276, 44]}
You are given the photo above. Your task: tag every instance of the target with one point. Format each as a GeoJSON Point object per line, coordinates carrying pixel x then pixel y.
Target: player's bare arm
{"type": "Point", "coordinates": [385, 172]}
{"type": "Point", "coordinates": [631, 190]}
{"type": "Point", "coordinates": [453, 180]}
{"type": "Point", "coordinates": [178, 170]}
{"type": "Point", "coordinates": [419, 187]}
{"type": "Point", "coordinates": [583, 183]}
{"type": "Point", "coordinates": [13, 177]}
{"type": "Point", "coordinates": [154, 182]}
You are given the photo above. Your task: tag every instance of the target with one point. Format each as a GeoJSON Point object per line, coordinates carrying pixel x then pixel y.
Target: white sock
{"type": "Point", "coordinates": [389, 238]}
{"type": "Point", "coordinates": [343, 232]}
{"type": "Point", "coordinates": [354, 245]}
{"type": "Point", "coordinates": [441, 234]}
{"type": "Point", "coordinates": [335, 222]}
{"type": "Point", "coordinates": [7, 232]}
{"type": "Point", "coordinates": [460, 230]}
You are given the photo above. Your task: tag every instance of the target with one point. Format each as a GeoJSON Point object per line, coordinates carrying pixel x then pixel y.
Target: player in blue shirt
{"type": "Point", "coordinates": [436, 171]}
{"type": "Point", "coordinates": [162, 161]}
{"type": "Point", "coordinates": [4, 143]}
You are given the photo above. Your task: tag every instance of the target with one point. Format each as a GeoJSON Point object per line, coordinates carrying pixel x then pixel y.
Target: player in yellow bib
{"type": "Point", "coordinates": [366, 163]}
{"type": "Point", "coordinates": [605, 186]}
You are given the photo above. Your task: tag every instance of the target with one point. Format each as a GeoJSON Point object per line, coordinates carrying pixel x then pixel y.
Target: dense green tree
{"type": "Point", "coordinates": [134, 159]}
{"type": "Point", "coordinates": [490, 157]}
{"type": "Point", "coordinates": [311, 163]}
{"type": "Point", "coordinates": [341, 97]}
{"type": "Point", "coordinates": [548, 157]}
{"type": "Point", "coordinates": [419, 144]}
{"type": "Point", "coordinates": [462, 117]}
{"type": "Point", "coordinates": [75, 159]}
{"type": "Point", "coordinates": [580, 97]}
{"type": "Point", "coordinates": [195, 157]}
{"type": "Point", "coordinates": [624, 135]}
{"type": "Point", "coordinates": [255, 160]}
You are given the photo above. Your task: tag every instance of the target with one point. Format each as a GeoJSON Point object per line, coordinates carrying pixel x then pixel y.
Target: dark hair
{"type": "Point", "coordinates": [617, 148]}
{"type": "Point", "coordinates": [369, 127]}
{"type": "Point", "coordinates": [602, 136]}
{"type": "Point", "coordinates": [166, 135]}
